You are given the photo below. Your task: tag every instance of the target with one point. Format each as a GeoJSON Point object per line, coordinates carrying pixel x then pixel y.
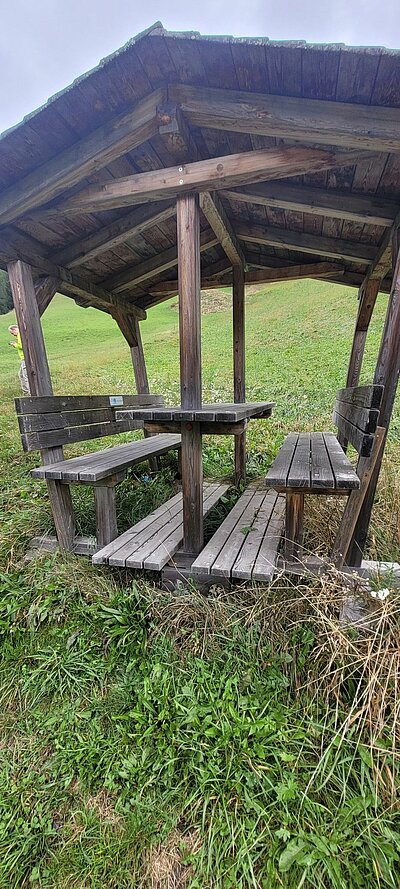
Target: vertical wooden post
{"type": "Point", "coordinates": [367, 299]}
{"type": "Point", "coordinates": [129, 327]}
{"type": "Point", "coordinates": [28, 320]}
{"type": "Point", "coordinates": [386, 374]}
{"type": "Point", "coordinates": [188, 236]}
{"type": "Point", "coordinates": [239, 365]}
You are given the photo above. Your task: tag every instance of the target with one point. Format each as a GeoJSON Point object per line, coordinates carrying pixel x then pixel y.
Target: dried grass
{"type": "Point", "coordinates": [166, 866]}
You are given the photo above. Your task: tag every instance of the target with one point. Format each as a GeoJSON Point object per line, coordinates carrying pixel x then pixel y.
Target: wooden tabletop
{"type": "Point", "coordinates": [208, 413]}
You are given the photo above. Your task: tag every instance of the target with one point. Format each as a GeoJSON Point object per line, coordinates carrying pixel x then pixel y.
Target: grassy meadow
{"type": "Point", "coordinates": [152, 739]}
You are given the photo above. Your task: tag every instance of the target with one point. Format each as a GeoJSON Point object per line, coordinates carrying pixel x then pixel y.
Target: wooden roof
{"type": "Point", "coordinates": [321, 187]}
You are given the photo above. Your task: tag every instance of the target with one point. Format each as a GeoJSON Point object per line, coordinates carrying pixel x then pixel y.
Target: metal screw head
{"type": "Point", "coordinates": [181, 182]}
{"type": "Point", "coordinates": [180, 169]}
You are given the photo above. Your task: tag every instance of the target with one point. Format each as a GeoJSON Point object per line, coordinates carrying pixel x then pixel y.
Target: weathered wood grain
{"type": "Point", "coordinates": [337, 248]}
{"type": "Point", "coordinates": [239, 364]}
{"type": "Point", "coordinates": [308, 120]}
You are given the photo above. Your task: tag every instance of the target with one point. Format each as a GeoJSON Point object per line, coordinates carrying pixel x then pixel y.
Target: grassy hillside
{"type": "Point", "coordinates": [173, 740]}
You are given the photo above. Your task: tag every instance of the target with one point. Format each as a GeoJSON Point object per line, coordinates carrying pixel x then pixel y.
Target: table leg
{"type": "Point", "coordinates": [192, 488]}
{"type": "Point", "coordinates": [294, 525]}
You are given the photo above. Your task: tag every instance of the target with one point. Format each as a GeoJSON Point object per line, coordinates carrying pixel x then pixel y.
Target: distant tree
{"type": "Point", "coordinates": [6, 301]}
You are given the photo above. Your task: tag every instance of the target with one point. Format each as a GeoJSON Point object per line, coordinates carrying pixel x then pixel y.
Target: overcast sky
{"type": "Point", "coordinates": [45, 44]}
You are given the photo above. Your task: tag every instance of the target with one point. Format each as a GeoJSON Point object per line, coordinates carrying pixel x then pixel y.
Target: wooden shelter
{"type": "Point", "coordinates": [185, 161]}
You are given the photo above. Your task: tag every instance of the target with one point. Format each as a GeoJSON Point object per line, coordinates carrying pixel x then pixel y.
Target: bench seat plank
{"type": "Point", "coordinates": [246, 545]}
{"type": "Point", "coordinates": [312, 462]}
{"type": "Point", "coordinates": [95, 466]}
{"type": "Point", "coordinates": [154, 540]}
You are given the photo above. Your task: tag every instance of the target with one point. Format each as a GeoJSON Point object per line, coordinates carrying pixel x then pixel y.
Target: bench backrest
{"type": "Point", "coordinates": [356, 415]}
{"type": "Point", "coordinates": [52, 420]}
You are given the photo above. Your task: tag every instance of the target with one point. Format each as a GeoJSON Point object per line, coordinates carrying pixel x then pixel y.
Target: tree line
{"type": "Point", "coordinates": [6, 302]}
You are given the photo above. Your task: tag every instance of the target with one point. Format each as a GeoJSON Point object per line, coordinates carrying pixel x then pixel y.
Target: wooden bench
{"type": "Point", "coordinates": [47, 423]}
{"type": "Point", "coordinates": [316, 463]}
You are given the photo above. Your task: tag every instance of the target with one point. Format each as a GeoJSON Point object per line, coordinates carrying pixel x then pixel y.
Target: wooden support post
{"type": "Point", "coordinates": [45, 288]}
{"type": "Point", "coordinates": [129, 327]}
{"type": "Point", "coordinates": [106, 514]}
{"type": "Point", "coordinates": [294, 525]}
{"type": "Point", "coordinates": [386, 374]}
{"type": "Point", "coordinates": [28, 320]}
{"type": "Point", "coordinates": [367, 299]}
{"type": "Point", "coordinates": [188, 232]}
{"type": "Point", "coordinates": [239, 366]}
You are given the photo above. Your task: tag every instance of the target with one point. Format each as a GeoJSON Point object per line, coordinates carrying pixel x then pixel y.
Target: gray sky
{"type": "Point", "coordinates": [45, 44]}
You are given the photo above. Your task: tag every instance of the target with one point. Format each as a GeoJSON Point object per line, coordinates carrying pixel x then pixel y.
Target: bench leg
{"type": "Point", "coordinates": [63, 514]}
{"type": "Point", "coordinates": [106, 514]}
{"type": "Point", "coordinates": [294, 525]}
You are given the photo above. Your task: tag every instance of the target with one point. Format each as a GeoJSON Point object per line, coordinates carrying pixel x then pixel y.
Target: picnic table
{"type": "Point", "coordinates": [207, 419]}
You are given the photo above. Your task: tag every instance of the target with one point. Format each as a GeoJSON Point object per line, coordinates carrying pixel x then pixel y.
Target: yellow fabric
{"type": "Point", "coordinates": [19, 347]}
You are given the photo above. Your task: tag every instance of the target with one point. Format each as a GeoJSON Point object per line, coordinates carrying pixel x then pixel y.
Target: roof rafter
{"type": "Point", "coordinates": [374, 128]}
{"type": "Point", "coordinates": [337, 248]}
{"type": "Point", "coordinates": [109, 236]}
{"type": "Point", "coordinates": [119, 135]}
{"type": "Point", "coordinates": [319, 202]}
{"type": "Point", "coordinates": [132, 276]}
{"type": "Point", "coordinates": [257, 276]}
{"type": "Point", "coordinates": [69, 283]}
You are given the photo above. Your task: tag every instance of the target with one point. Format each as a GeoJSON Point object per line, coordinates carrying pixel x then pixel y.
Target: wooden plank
{"type": "Point", "coordinates": [133, 275]}
{"type": "Point", "coordinates": [299, 472]}
{"type": "Point", "coordinates": [120, 134]}
{"type": "Point", "coordinates": [351, 251]}
{"type": "Point", "coordinates": [264, 566]}
{"type": "Point", "coordinates": [345, 476]}
{"type": "Point", "coordinates": [366, 419]}
{"type": "Point", "coordinates": [332, 202]}
{"type": "Point", "coordinates": [206, 558]}
{"type": "Point", "coordinates": [243, 563]}
{"type": "Point", "coordinates": [71, 403]}
{"type": "Point", "coordinates": [206, 175]}
{"type": "Point", "coordinates": [308, 120]}
{"type": "Point", "coordinates": [109, 236]}
{"type": "Point", "coordinates": [228, 412]}
{"type": "Point", "coordinates": [360, 440]}
{"type": "Point", "coordinates": [102, 556]}
{"type": "Point", "coordinates": [355, 502]}
{"type": "Point", "coordinates": [239, 365]}
{"type": "Point", "coordinates": [321, 470]}
{"type": "Point", "coordinates": [166, 550]}
{"type": "Point", "coordinates": [95, 466]}
{"type": "Point", "coordinates": [229, 553]}
{"type": "Point", "coordinates": [361, 396]}
{"type": "Point", "coordinates": [205, 428]}
{"type": "Point", "coordinates": [27, 312]}
{"type": "Point", "coordinates": [68, 435]}
{"type": "Point", "coordinates": [367, 299]}
{"type": "Point", "coordinates": [45, 422]}
{"type": "Point", "coordinates": [277, 474]}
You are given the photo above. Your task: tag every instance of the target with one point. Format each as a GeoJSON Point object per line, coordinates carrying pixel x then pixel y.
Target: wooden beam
{"type": "Point", "coordinates": [188, 234]}
{"type": "Point", "coordinates": [110, 236]}
{"type": "Point", "coordinates": [337, 248]}
{"type": "Point", "coordinates": [215, 214]}
{"type": "Point", "coordinates": [215, 173]}
{"type": "Point", "coordinates": [383, 258]}
{"type": "Point", "coordinates": [45, 289]}
{"type": "Point", "coordinates": [258, 276]}
{"type": "Point", "coordinates": [28, 320]}
{"type": "Point", "coordinates": [70, 284]}
{"type": "Point", "coordinates": [184, 147]}
{"type": "Point", "coordinates": [239, 366]}
{"type": "Point", "coordinates": [374, 128]}
{"type": "Point", "coordinates": [319, 202]}
{"type": "Point", "coordinates": [386, 374]}
{"type": "Point", "coordinates": [131, 276]}
{"type": "Point", "coordinates": [119, 135]}
{"type": "Point", "coordinates": [367, 299]}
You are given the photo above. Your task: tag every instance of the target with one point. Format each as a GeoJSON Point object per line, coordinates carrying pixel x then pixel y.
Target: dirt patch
{"type": "Point", "coordinates": [165, 864]}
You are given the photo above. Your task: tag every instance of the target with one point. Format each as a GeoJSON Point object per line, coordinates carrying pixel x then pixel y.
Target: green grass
{"type": "Point", "coordinates": [150, 740]}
